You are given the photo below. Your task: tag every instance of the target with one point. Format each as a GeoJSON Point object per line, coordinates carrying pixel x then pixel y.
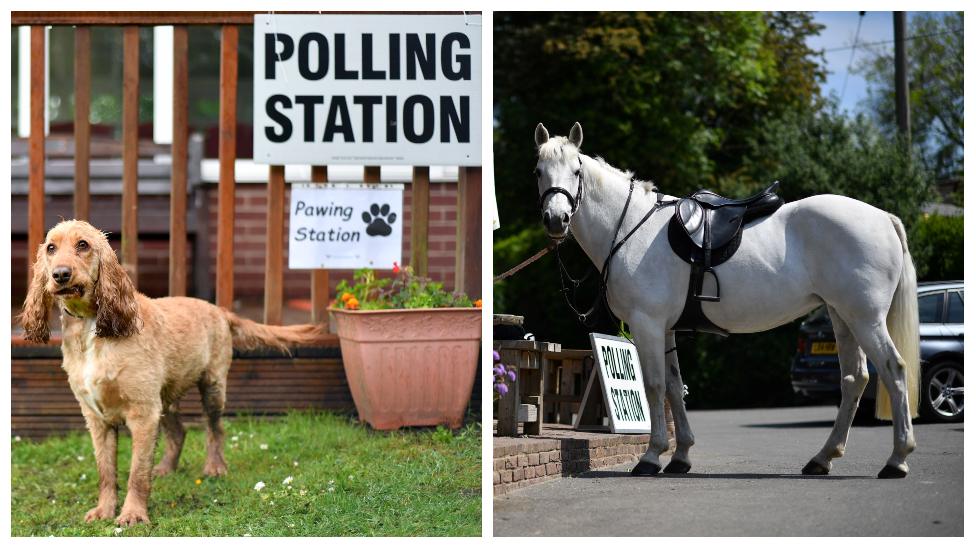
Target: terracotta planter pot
{"type": "Point", "coordinates": [410, 367]}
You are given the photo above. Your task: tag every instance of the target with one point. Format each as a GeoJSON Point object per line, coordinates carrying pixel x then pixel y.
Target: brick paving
{"type": "Point", "coordinates": [559, 451]}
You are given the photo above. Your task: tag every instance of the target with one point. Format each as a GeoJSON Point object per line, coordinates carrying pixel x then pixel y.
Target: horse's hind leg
{"type": "Point", "coordinates": [650, 340]}
{"type": "Point", "coordinates": [892, 371]}
{"type": "Point", "coordinates": [854, 377]}
{"type": "Point", "coordinates": [684, 439]}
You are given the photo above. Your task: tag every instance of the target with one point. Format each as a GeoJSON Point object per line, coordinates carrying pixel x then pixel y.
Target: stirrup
{"type": "Point", "coordinates": [699, 293]}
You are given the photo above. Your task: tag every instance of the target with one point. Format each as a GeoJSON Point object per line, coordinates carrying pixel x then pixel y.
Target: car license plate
{"type": "Point", "coordinates": [824, 348]}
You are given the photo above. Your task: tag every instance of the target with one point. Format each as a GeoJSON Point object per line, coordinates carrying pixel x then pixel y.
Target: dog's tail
{"type": "Point", "coordinates": [249, 335]}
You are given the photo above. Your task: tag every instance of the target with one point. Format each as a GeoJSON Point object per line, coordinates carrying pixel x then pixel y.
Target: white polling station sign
{"type": "Point", "coordinates": [345, 225]}
{"type": "Point", "coordinates": [623, 384]}
{"type": "Point", "coordinates": [367, 89]}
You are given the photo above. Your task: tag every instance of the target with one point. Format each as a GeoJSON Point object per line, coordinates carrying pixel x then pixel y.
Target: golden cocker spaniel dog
{"type": "Point", "coordinates": [130, 359]}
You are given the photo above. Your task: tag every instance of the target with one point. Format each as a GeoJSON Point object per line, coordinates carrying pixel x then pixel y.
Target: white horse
{"type": "Point", "coordinates": [824, 249]}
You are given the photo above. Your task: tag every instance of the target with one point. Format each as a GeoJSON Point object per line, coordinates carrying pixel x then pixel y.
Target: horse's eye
{"type": "Point", "coordinates": [82, 245]}
{"type": "Point", "coordinates": [51, 248]}
{"type": "Point", "coordinates": [538, 172]}
{"type": "Point", "coordinates": [576, 173]}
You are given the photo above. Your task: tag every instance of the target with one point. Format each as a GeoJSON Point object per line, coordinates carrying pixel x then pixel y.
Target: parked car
{"type": "Point", "coordinates": [816, 373]}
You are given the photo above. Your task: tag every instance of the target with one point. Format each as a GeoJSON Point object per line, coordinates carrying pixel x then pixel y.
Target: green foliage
{"type": "Point", "coordinates": [405, 291]}
{"type": "Point", "coordinates": [826, 152]}
{"type": "Point", "coordinates": [677, 97]}
{"type": "Point", "coordinates": [727, 101]}
{"type": "Point", "coordinates": [346, 480]}
{"type": "Point", "coordinates": [937, 247]}
{"type": "Point", "coordinates": [936, 69]}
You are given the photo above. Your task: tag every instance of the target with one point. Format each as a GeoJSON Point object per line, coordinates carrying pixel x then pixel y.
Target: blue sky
{"type": "Point", "coordinates": [839, 31]}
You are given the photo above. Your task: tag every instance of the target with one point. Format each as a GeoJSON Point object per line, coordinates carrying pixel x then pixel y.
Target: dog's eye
{"type": "Point", "coordinates": [51, 248]}
{"type": "Point", "coordinates": [82, 245]}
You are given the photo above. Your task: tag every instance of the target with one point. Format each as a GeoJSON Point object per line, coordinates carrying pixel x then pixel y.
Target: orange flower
{"type": "Point", "coordinates": [353, 303]}
{"type": "Point", "coordinates": [346, 297]}
{"type": "Point", "coordinates": [396, 268]}
{"type": "Point", "coordinates": [477, 303]}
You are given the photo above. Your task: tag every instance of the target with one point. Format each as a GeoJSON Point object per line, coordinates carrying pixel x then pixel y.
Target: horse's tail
{"type": "Point", "coordinates": [903, 328]}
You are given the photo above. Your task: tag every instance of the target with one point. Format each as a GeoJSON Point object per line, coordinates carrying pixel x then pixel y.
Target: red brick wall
{"type": "Point", "coordinates": [249, 239]}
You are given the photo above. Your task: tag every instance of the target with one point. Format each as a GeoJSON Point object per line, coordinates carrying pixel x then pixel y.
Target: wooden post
{"type": "Point", "coordinates": [130, 151]}
{"type": "Point", "coordinates": [371, 174]}
{"type": "Point", "coordinates": [181, 136]}
{"type": "Point", "coordinates": [419, 224]}
{"type": "Point", "coordinates": [38, 103]}
{"type": "Point", "coordinates": [227, 154]}
{"type": "Point", "coordinates": [273, 273]}
{"type": "Point", "coordinates": [82, 124]}
{"type": "Point", "coordinates": [320, 277]}
{"type": "Point", "coordinates": [467, 267]}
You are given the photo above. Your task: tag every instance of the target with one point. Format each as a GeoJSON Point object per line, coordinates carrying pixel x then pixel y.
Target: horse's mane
{"type": "Point", "coordinates": [559, 146]}
{"type": "Point", "coordinates": [625, 174]}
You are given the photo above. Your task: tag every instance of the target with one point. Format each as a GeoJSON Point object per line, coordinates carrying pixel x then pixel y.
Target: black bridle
{"type": "Point", "coordinates": [574, 202]}
{"type": "Point", "coordinates": [615, 245]}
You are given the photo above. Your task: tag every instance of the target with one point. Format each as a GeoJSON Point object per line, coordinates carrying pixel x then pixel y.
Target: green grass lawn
{"type": "Point", "coordinates": [345, 480]}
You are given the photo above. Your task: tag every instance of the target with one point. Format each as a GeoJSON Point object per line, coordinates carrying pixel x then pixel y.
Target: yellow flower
{"type": "Point", "coordinates": [198, 482]}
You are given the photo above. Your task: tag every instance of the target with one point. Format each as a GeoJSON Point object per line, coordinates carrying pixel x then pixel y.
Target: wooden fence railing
{"type": "Point", "coordinates": [468, 250]}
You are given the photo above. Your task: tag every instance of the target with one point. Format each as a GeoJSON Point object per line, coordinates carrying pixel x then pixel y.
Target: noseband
{"type": "Point", "coordinates": [574, 201]}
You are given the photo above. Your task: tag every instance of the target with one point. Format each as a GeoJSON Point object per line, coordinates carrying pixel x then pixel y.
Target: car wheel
{"type": "Point", "coordinates": [942, 395]}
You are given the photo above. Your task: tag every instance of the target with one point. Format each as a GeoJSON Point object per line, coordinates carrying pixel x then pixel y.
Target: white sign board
{"type": "Point", "coordinates": [623, 384]}
{"type": "Point", "coordinates": [345, 226]}
{"type": "Point", "coordinates": [367, 89]}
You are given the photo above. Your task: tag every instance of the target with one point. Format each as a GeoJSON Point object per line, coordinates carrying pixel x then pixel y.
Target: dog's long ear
{"type": "Point", "coordinates": [117, 313]}
{"type": "Point", "coordinates": [38, 302]}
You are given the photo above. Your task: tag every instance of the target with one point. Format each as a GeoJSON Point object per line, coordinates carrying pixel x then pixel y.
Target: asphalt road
{"type": "Point", "coordinates": [745, 481]}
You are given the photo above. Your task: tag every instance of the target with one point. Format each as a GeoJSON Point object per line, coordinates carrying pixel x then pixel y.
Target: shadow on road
{"type": "Point", "coordinates": [792, 425]}
{"type": "Point", "coordinates": [732, 476]}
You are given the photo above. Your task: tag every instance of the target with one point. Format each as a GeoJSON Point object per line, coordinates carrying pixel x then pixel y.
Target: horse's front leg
{"type": "Point", "coordinates": [650, 340]}
{"type": "Point", "coordinates": [684, 439]}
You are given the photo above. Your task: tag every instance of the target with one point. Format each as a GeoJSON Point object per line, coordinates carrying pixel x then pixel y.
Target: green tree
{"type": "Point", "coordinates": [728, 101]}
{"type": "Point", "coordinates": [936, 67]}
{"type": "Point", "coordinates": [673, 96]}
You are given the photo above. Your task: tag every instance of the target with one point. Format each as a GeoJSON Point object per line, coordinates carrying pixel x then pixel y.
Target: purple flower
{"type": "Point", "coordinates": [496, 357]}
{"type": "Point", "coordinates": [511, 375]}
{"type": "Point", "coordinates": [501, 389]}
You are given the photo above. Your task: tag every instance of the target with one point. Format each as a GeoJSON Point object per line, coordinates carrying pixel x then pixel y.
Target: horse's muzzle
{"type": "Point", "coordinates": [556, 226]}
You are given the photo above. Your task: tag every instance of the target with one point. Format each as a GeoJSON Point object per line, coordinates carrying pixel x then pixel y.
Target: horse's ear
{"type": "Point", "coordinates": [576, 135]}
{"type": "Point", "coordinates": [541, 135]}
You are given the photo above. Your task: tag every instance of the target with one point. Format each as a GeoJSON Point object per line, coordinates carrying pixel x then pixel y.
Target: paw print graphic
{"type": "Point", "coordinates": [378, 220]}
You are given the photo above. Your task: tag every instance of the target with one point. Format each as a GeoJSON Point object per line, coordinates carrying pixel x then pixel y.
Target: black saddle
{"type": "Point", "coordinates": [705, 231]}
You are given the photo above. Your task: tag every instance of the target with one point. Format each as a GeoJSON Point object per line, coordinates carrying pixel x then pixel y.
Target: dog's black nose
{"type": "Point", "coordinates": [62, 275]}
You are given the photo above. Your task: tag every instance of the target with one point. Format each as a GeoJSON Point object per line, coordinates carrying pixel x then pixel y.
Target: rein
{"type": "Point", "coordinates": [615, 245]}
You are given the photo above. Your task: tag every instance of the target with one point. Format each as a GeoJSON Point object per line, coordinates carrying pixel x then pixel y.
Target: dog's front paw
{"type": "Point", "coordinates": [100, 513]}
{"type": "Point", "coordinates": [215, 468]}
{"type": "Point", "coordinates": [132, 516]}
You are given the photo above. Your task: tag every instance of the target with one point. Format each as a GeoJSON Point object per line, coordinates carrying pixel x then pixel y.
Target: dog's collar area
{"type": "Point", "coordinates": [69, 313]}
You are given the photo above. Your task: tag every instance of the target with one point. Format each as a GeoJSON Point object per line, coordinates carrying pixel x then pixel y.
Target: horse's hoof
{"type": "Point", "coordinates": [645, 469]}
{"type": "Point", "coordinates": [678, 467]}
{"type": "Point", "coordinates": [891, 471]}
{"type": "Point", "coordinates": [814, 468]}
